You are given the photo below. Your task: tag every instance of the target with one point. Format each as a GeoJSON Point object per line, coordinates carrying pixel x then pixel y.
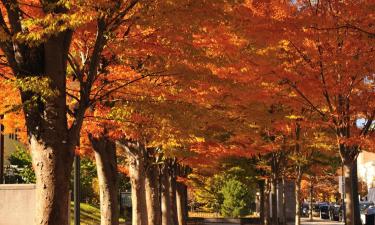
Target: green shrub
{"type": "Point", "coordinates": [236, 199]}
{"type": "Point", "coordinates": [22, 159]}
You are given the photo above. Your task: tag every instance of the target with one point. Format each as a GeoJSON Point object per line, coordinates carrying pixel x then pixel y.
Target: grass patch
{"type": "Point", "coordinates": [90, 215]}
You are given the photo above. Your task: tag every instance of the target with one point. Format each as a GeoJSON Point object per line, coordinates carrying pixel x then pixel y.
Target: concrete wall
{"type": "Point", "coordinates": [17, 204]}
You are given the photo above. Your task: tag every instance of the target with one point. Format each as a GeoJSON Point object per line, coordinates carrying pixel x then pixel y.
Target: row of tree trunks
{"type": "Point", "coordinates": [106, 163]}
{"type": "Point", "coordinates": [157, 197]}
{"type": "Point", "coordinates": [173, 193]}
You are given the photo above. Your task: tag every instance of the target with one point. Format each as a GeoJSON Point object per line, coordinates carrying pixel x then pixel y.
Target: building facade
{"type": "Point", "coordinates": [366, 168]}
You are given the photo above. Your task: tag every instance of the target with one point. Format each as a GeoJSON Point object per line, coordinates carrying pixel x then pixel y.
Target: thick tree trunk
{"type": "Point", "coordinates": [138, 184]}
{"type": "Point", "coordinates": [297, 196]}
{"type": "Point", "coordinates": [349, 204]}
{"type": "Point", "coordinates": [137, 158]}
{"type": "Point", "coordinates": [274, 200]}
{"type": "Point", "coordinates": [181, 197]}
{"type": "Point", "coordinates": [106, 163]}
{"type": "Point", "coordinates": [51, 142]}
{"type": "Point", "coordinates": [153, 195]}
{"type": "Point", "coordinates": [354, 181]}
{"type": "Point", "coordinates": [52, 166]}
{"type": "Point", "coordinates": [351, 193]}
{"type": "Point", "coordinates": [165, 197]}
{"type": "Point", "coordinates": [261, 201]}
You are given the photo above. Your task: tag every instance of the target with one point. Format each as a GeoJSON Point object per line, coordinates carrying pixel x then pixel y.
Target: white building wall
{"type": "Point", "coordinates": [366, 168]}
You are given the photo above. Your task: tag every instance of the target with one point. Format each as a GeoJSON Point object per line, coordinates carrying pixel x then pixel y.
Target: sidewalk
{"type": "Point", "coordinates": [318, 221]}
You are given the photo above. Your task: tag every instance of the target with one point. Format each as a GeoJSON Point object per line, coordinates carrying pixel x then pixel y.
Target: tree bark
{"type": "Point", "coordinates": [106, 163]}
{"type": "Point", "coordinates": [173, 190]}
{"type": "Point", "coordinates": [136, 153]}
{"type": "Point", "coordinates": [165, 196]}
{"type": "Point", "coordinates": [52, 144]}
{"type": "Point", "coordinates": [349, 204]}
{"type": "Point", "coordinates": [354, 181]}
{"type": "Point", "coordinates": [284, 218]}
{"type": "Point", "coordinates": [137, 179]}
{"type": "Point", "coordinates": [52, 166]}
{"type": "Point", "coordinates": [274, 200]}
{"type": "Point", "coordinates": [297, 196]}
{"type": "Point", "coordinates": [153, 193]}
{"type": "Point", "coordinates": [267, 205]}
{"type": "Point", "coordinates": [181, 197]}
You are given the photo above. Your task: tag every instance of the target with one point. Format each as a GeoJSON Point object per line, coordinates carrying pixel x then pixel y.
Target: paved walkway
{"type": "Point", "coordinates": [318, 221]}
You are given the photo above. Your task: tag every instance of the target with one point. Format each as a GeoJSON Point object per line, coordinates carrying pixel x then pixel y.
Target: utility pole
{"type": "Point", "coordinates": [77, 189]}
{"type": "Point", "coordinates": [1, 149]}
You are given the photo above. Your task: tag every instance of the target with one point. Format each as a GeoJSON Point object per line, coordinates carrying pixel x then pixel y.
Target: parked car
{"type": "Point", "coordinates": [316, 210]}
{"type": "Point", "coordinates": [336, 212]}
{"type": "Point", "coordinates": [324, 211]}
{"type": "Point", "coordinates": [305, 209]}
{"type": "Point", "coordinates": [366, 208]}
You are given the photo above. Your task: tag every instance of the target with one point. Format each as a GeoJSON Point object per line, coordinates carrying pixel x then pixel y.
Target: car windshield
{"type": "Point", "coordinates": [365, 205]}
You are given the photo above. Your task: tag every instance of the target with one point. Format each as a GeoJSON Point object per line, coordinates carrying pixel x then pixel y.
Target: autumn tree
{"type": "Point", "coordinates": [323, 57]}
{"type": "Point", "coordinates": [36, 42]}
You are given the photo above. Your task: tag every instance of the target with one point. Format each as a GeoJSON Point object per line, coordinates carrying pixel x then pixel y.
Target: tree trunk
{"type": "Point", "coordinates": [349, 204]}
{"type": "Point", "coordinates": [51, 143]}
{"type": "Point", "coordinates": [138, 184]}
{"type": "Point", "coordinates": [261, 201]}
{"type": "Point", "coordinates": [274, 200]}
{"type": "Point", "coordinates": [165, 196]}
{"type": "Point", "coordinates": [267, 205]}
{"type": "Point", "coordinates": [284, 219]}
{"type": "Point", "coordinates": [297, 196]}
{"type": "Point", "coordinates": [153, 195]}
{"type": "Point", "coordinates": [137, 156]}
{"type": "Point", "coordinates": [106, 163]}
{"type": "Point", "coordinates": [181, 197]}
{"type": "Point", "coordinates": [351, 193]}
{"type": "Point", "coordinates": [53, 167]}
{"type": "Point", "coordinates": [311, 199]}
{"type": "Point", "coordinates": [354, 181]}
{"type": "Point", "coordinates": [172, 192]}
